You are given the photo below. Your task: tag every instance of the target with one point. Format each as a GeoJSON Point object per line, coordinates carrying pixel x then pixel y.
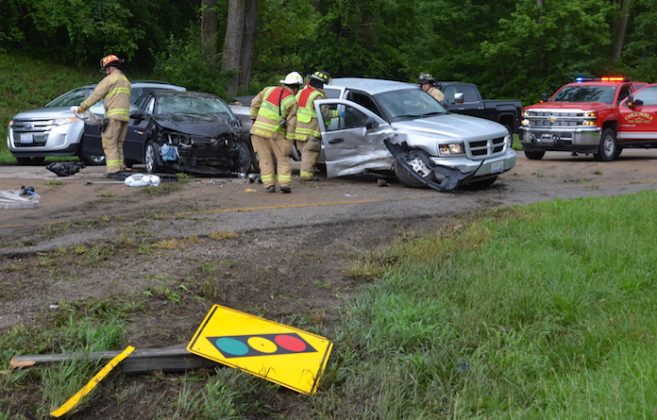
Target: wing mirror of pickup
{"type": "Point", "coordinates": [137, 114]}
{"type": "Point", "coordinates": [458, 98]}
{"type": "Point", "coordinates": [370, 124]}
{"type": "Point", "coordinates": [633, 103]}
{"type": "Point", "coordinates": [544, 97]}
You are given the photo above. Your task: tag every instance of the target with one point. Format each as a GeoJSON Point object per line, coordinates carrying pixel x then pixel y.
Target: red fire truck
{"type": "Point", "coordinates": [596, 116]}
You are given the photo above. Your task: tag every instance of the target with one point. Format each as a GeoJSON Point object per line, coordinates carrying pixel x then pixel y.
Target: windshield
{"type": "Point", "coordinates": [586, 94]}
{"type": "Point", "coordinates": [184, 104]}
{"type": "Point", "coordinates": [72, 98]}
{"type": "Point", "coordinates": [411, 103]}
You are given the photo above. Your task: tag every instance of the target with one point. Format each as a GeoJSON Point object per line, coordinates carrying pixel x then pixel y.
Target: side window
{"type": "Point", "coordinates": [469, 93]}
{"type": "Point", "coordinates": [135, 94]}
{"type": "Point", "coordinates": [353, 118]}
{"type": "Point", "coordinates": [648, 96]}
{"type": "Point", "coordinates": [150, 106]}
{"type": "Point", "coordinates": [624, 92]}
{"type": "Point", "coordinates": [365, 101]}
{"type": "Point", "coordinates": [332, 93]}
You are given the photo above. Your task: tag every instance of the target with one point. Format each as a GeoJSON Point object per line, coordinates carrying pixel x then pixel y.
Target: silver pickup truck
{"type": "Point", "coordinates": [393, 126]}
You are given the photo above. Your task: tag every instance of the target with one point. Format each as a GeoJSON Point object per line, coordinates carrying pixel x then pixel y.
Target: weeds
{"type": "Point", "coordinates": [53, 183]}
{"type": "Point", "coordinates": [223, 235]}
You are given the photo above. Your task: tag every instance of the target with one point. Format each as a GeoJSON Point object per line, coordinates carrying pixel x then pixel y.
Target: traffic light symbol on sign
{"type": "Point", "coordinates": [261, 345]}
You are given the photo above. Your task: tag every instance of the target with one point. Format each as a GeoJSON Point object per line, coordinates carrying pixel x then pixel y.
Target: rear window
{"type": "Point", "coordinates": [469, 93]}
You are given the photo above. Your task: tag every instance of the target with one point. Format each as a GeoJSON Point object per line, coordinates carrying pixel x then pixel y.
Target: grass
{"type": "Point", "coordinates": [548, 314]}
{"type": "Point", "coordinates": [92, 325]}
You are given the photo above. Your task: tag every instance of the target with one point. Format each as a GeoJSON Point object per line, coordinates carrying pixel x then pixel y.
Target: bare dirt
{"type": "Point", "coordinates": [177, 249]}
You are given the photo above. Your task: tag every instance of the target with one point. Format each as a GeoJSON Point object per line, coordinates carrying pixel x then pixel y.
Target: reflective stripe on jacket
{"type": "Point", "coordinates": [307, 124]}
{"type": "Point", "coordinates": [270, 108]}
{"type": "Point", "coordinates": [115, 89]}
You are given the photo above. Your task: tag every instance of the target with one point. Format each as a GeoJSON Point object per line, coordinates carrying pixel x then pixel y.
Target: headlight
{"type": "Point", "coordinates": [451, 149]}
{"type": "Point", "coordinates": [508, 139]}
{"type": "Point", "coordinates": [64, 121]}
{"type": "Point", "coordinates": [11, 122]}
{"type": "Point", "coordinates": [525, 122]}
{"type": "Point", "coordinates": [589, 123]}
{"type": "Point", "coordinates": [525, 114]}
{"type": "Point", "coordinates": [591, 114]}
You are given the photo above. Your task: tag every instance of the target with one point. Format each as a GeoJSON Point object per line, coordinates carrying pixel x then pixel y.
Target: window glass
{"type": "Point", "coordinates": [624, 92]}
{"type": "Point", "coordinates": [186, 104]}
{"type": "Point", "coordinates": [353, 118]}
{"type": "Point", "coordinates": [586, 94]}
{"type": "Point", "coordinates": [469, 93]}
{"type": "Point", "coordinates": [365, 101]}
{"type": "Point", "coordinates": [647, 95]}
{"type": "Point", "coordinates": [332, 93]}
{"type": "Point", "coordinates": [72, 98]}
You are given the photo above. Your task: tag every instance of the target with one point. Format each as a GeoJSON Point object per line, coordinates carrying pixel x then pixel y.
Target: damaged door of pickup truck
{"type": "Point", "coordinates": [353, 142]}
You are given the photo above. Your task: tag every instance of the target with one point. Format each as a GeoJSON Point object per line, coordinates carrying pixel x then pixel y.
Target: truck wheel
{"type": "Point", "coordinates": [535, 155]}
{"type": "Point", "coordinates": [608, 146]}
{"type": "Point", "coordinates": [151, 158]}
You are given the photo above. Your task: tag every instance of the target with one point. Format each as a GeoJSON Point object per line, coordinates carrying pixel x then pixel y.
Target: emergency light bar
{"type": "Point", "coordinates": [603, 79]}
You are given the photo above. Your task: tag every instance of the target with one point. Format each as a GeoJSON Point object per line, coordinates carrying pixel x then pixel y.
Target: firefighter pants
{"type": "Point", "coordinates": [309, 153]}
{"type": "Point", "coordinates": [274, 159]}
{"type": "Point", "coordinates": [113, 138]}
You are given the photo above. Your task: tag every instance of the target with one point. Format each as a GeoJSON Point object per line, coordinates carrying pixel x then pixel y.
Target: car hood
{"type": "Point", "coordinates": [453, 126]}
{"type": "Point", "coordinates": [45, 113]}
{"type": "Point", "coordinates": [567, 106]}
{"type": "Point", "coordinates": [206, 125]}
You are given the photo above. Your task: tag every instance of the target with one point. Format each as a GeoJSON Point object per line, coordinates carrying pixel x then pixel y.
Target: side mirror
{"type": "Point", "coordinates": [544, 97]}
{"type": "Point", "coordinates": [632, 103]}
{"type": "Point", "coordinates": [370, 124]}
{"type": "Point", "coordinates": [137, 114]}
{"type": "Point", "coordinates": [458, 97]}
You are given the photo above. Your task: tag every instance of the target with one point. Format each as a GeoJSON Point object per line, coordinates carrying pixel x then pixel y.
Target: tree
{"type": "Point", "coordinates": [233, 43]}
{"type": "Point", "coordinates": [620, 26]}
{"type": "Point", "coordinates": [209, 30]}
{"type": "Point", "coordinates": [248, 44]}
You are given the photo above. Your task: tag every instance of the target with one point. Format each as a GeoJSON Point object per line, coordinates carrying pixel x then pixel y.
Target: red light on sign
{"type": "Point", "coordinates": [613, 79]}
{"type": "Point", "coordinates": [261, 345]}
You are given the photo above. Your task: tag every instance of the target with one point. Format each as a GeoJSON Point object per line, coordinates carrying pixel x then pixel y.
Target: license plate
{"type": "Point", "coordinates": [27, 138]}
{"type": "Point", "coordinates": [496, 167]}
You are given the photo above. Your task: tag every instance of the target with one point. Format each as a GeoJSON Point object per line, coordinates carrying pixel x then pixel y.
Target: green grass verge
{"type": "Point", "coordinates": [550, 313]}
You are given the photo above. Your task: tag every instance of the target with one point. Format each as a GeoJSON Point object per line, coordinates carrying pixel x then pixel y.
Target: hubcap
{"type": "Point", "coordinates": [609, 145]}
{"type": "Point", "coordinates": [149, 158]}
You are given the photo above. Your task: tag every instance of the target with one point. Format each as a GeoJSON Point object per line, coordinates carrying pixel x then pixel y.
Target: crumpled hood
{"type": "Point", "coordinates": [453, 126]}
{"type": "Point", "coordinates": [206, 125]}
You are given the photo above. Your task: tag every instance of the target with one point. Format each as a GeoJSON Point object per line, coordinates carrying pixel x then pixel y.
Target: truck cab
{"type": "Point", "coordinates": [581, 117]}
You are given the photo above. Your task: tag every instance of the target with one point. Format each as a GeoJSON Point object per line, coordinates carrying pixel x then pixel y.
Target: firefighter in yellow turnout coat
{"type": "Point", "coordinates": [274, 120]}
{"type": "Point", "coordinates": [115, 89]}
{"type": "Point", "coordinates": [307, 134]}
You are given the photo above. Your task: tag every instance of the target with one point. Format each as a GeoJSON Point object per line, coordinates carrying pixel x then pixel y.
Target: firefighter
{"type": "Point", "coordinates": [274, 119]}
{"type": "Point", "coordinates": [308, 136]}
{"type": "Point", "coordinates": [426, 82]}
{"type": "Point", "coordinates": [115, 89]}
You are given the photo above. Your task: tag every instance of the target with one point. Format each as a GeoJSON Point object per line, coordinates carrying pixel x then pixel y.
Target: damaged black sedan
{"type": "Point", "coordinates": [188, 132]}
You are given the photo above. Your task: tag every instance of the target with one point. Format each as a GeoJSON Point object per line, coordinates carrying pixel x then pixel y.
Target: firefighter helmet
{"type": "Point", "coordinates": [293, 78]}
{"type": "Point", "coordinates": [321, 76]}
{"type": "Point", "coordinates": [425, 78]}
{"type": "Point", "coordinates": [109, 60]}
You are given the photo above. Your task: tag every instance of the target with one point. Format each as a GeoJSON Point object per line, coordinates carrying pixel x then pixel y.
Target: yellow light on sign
{"type": "Point", "coordinates": [279, 353]}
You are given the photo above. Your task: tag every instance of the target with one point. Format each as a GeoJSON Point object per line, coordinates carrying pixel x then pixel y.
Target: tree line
{"type": "Point", "coordinates": [510, 48]}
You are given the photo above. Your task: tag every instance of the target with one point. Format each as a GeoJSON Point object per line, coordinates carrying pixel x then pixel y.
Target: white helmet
{"type": "Point", "coordinates": [293, 78]}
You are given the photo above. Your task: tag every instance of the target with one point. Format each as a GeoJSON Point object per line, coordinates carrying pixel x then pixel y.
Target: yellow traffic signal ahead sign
{"type": "Point", "coordinates": [279, 353]}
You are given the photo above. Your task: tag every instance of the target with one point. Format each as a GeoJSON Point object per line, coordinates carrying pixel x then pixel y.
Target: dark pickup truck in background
{"type": "Point", "coordinates": [464, 98]}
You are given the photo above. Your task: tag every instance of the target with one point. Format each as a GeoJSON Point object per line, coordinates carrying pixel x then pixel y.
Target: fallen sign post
{"type": "Point", "coordinates": [278, 353]}
{"type": "Point", "coordinates": [165, 359]}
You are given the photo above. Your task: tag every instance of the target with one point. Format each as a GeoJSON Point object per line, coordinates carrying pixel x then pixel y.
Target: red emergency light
{"type": "Point", "coordinates": [614, 79]}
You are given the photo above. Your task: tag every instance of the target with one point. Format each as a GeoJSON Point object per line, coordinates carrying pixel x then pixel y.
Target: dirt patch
{"type": "Point", "coordinates": [174, 252]}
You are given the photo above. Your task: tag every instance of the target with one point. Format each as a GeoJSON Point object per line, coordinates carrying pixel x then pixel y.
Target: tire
{"type": "Point", "coordinates": [608, 149]}
{"type": "Point", "coordinates": [30, 161]}
{"type": "Point", "coordinates": [92, 160]}
{"type": "Point", "coordinates": [151, 158]}
{"type": "Point", "coordinates": [535, 155]}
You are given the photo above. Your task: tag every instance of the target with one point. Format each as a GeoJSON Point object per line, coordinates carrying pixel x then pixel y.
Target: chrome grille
{"type": "Point", "coordinates": [485, 148]}
{"type": "Point", "coordinates": [547, 119]}
{"type": "Point", "coordinates": [29, 133]}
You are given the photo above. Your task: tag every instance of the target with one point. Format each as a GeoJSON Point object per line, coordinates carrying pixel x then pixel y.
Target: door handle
{"type": "Point", "coordinates": [335, 141]}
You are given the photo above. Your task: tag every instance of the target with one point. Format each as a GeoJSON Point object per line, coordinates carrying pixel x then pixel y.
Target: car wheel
{"type": "Point", "coordinates": [93, 160]}
{"type": "Point", "coordinates": [608, 146]}
{"type": "Point", "coordinates": [30, 161]}
{"type": "Point", "coordinates": [407, 179]}
{"type": "Point", "coordinates": [151, 158]}
{"type": "Point", "coordinates": [535, 155]}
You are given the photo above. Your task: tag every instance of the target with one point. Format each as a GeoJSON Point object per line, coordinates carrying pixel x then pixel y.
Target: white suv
{"type": "Point", "coordinates": [54, 131]}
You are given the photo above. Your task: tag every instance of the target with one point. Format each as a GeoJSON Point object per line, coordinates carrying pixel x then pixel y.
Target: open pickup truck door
{"type": "Point", "coordinates": [352, 142]}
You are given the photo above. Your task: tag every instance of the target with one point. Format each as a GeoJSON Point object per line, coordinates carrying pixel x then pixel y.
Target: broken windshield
{"type": "Point", "coordinates": [410, 103]}
{"type": "Point", "coordinates": [586, 94]}
{"type": "Point", "coordinates": [186, 104]}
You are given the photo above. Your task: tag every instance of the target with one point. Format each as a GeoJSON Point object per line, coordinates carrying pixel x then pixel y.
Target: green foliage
{"type": "Point", "coordinates": [182, 63]}
{"type": "Point", "coordinates": [639, 55]}
{"type": "Point", "coordinates": [547, 314]}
